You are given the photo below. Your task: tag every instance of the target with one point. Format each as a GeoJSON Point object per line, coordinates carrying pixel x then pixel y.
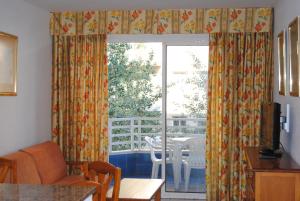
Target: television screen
{"type": "Point", "coordinates": [270, 126]}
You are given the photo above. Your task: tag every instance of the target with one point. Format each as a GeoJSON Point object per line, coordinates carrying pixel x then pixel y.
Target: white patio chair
{"type": "Point", "coordinates": [195, 159]}
{"type": "Point", "coordinates": [156, 162]}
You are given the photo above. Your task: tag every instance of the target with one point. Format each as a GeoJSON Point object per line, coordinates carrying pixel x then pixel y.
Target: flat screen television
{"type": "Point", "coordinates": [270, 128]}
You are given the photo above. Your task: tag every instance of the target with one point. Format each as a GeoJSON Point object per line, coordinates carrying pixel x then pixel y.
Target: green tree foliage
{"type": "Point", "coordinates": [131, 92]}
{"type": "Point", "coordinates": [196, 104]}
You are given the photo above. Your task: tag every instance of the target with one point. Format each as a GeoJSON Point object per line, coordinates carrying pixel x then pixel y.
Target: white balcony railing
{"type": "Point", "coordinates": [127, 134]}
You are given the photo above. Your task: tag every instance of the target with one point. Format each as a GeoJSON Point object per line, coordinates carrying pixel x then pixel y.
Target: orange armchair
{"type": "Point", "coordinates": [44, 164]}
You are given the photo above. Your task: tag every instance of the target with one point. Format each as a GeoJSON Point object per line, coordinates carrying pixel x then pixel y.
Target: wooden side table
{"type": "Point", "coordinates": [139, 189]}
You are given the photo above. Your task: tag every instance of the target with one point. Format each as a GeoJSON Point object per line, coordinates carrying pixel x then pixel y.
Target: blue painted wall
{"type": "Point", "coordinates": [139, 165]}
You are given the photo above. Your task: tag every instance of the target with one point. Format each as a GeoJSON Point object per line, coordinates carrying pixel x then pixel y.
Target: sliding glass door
{"type": "Point", "coordinates": [186, 75]}
{"type": "Point", "coordinates": [158, 106]}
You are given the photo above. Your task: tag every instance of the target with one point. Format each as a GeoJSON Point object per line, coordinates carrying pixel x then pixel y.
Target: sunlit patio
{"type": "Point", "coordinates": [130, 151]}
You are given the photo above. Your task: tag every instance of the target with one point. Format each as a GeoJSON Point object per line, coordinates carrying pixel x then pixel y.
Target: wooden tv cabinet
{"type": "Point", "coordinates": [272, 179]}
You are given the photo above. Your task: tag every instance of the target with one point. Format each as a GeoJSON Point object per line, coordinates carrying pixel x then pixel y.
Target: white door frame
{"type": "Point", "coordinates": [166, 40]}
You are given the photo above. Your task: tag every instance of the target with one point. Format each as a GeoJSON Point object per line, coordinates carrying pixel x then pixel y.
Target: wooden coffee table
{"type": "Point", "coordinates": [139, 189]}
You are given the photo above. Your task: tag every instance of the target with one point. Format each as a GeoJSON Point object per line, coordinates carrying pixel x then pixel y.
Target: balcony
{"type": "Point", "coordinates": [128, 148]}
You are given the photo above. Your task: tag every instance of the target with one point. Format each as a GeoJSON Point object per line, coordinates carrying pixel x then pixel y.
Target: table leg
{"type": "Point", "coordinates": [176, 175]}
{"type": "Point", "coordinates": [177, 160]}
{"type": "Point", "coordinates": [158, 195]}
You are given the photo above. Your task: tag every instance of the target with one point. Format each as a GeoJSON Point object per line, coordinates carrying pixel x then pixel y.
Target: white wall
{"type": "Point", "coordinates": [25, 119]}
{"type": "Point", "coordinates": [285, 12]}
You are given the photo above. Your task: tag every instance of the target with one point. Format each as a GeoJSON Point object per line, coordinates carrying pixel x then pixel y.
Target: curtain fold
{"type": "Point", "coordinates": [240, 79]}
{"type": "Point", "coordinates": [80, 96]}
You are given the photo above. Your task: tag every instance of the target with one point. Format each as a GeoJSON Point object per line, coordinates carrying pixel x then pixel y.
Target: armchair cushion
{"type": "Point", "coordinates": [49, 161]}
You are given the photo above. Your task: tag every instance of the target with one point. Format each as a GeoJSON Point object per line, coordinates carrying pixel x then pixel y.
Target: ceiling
{"type": "Point", "coordinates": [61, 5]}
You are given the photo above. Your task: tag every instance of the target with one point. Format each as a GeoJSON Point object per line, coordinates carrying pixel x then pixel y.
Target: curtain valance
{"type": "Point", "coordinates": [170, 21]}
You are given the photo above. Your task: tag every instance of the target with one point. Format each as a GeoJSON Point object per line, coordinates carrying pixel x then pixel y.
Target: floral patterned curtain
{"type": "Point", "coordinates": [80, 96]}
{"type": "Point", "coordinates": [169, 21]}
{"type": "Point", "coordinates": [240, 79]}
